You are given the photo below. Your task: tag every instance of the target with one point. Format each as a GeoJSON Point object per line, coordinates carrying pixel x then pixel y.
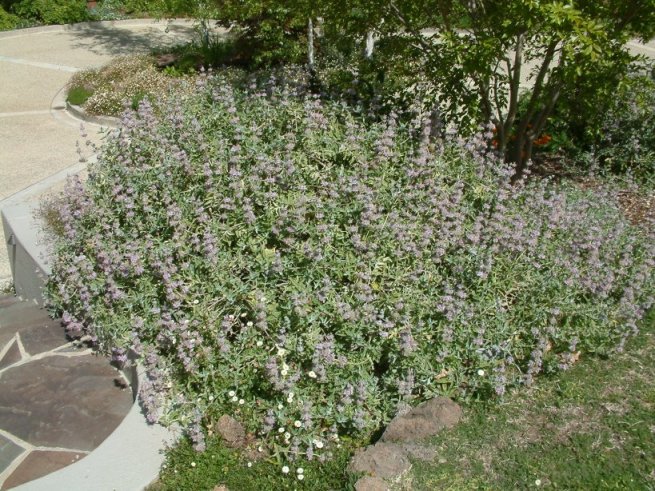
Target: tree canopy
{"type": "Point", "coordinates": [508, 63]}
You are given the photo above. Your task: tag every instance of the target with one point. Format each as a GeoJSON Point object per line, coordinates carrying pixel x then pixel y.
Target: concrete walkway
{"type": "Point", "coordinates": [37, 136]}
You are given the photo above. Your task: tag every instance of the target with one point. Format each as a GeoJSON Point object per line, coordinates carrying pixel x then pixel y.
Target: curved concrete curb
{"type": "Point", "coordinates": [79, 113]}
{"type": "Point", "coordinates": [60, 105]}
{"type": "Point", "coordinates": [29, 261]}
{"type": "Point", "coordinates": [131, 457]}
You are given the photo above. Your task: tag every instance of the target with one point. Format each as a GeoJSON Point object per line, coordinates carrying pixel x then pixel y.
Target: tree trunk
{"type": "Point", "coordinates": [370, 45]}
{"type": "Point", "coordinates": [310, 44]}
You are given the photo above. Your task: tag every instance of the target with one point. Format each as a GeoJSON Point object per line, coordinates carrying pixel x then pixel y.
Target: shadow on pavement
{"type": "Point", "coordinates": [116, 40]}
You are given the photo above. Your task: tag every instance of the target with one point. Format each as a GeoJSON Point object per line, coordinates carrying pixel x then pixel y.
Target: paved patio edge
{"type": "Point", "coordinates": [131, 457]}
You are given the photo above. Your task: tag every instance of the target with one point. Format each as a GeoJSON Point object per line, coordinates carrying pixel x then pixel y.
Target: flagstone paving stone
{"type": "Point", "coordinates": [61, 401]}
{"type": "Point", "coordinates": [42, 337]}
{"type": "Point", "coordinates": [11, 356]}
{"type": "Point", "coordinates": [8, 452]}
{"type": "Point", "coordinates": [58, 402]}
{"type": "Point", "coordinates": [7, 300]}
{"type": "Point", "coordinates": [40, 463]}
{"type": "Point", "coordinates": [20, 314]}
{"type": "Point", "coordinates": [37, 331]}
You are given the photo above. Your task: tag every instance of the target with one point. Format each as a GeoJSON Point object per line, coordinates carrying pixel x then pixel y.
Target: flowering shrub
{"type": "Point", "coordinates": [124, 78]}
{"type": "Point", "coordinates": [108, 10]}
{"type": "Point", "coordinates": [271, 255]}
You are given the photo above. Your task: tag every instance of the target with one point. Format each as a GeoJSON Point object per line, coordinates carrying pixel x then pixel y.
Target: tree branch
{"type": "Point", "coordinates": [538, 87]}
{"type": "Point", "coordinates": [515, 83]}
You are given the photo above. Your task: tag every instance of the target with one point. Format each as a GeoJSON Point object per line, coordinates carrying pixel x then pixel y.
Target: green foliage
{"type": "Point", "coordinates": [108, 10]}
{"type": "Point", "coordinates": [162, 8]}
{"type": "Point", "coordinates": [626, 139]}
{"type": "Point", "coordinates": [270, 32]}
{"type": "Point", "coordinates": [8, 21]}
{"type": "Point", "coordinates": [620, 134]}
{"type": "Point", "coordinates": [480, 55]}
{"type": "Point", "coordinates": [52, 11]}
{"type": "Point", "coordinates": [207, 50]}
{"type": "Point", "coordinates": [477, 59]}
{"type": "Point", "coordinates": [187, 469]}
{"type": "Point", "coordinates": [78, 95]}
{"type": "Point", "coordinates": [617, 134]}
{"type": "Point", "coordinates": [137, 98]}
{"type": "Point", "coordinates": [381, 84]}
{"type": "Point", "coordinates": [564, 433]}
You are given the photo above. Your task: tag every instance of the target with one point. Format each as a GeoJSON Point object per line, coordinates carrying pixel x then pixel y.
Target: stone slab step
{"type": "Point", "coordinates": [35, 325]}
{"type": "Point", "coordinates": [7, 300]}
{"type": "Point", "coordinates": [63, 402]}
{"type": "Point", "coordinates": [11, 356]}
{"type": "Point", "coordinates": [42, 337]}
{"type": "Point", "coordinates": [22, 313]}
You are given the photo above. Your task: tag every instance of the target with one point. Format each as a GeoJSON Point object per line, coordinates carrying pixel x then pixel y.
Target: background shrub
{"type": "Point", "coordinates": [108, 10]}
{"type": "Point", "coordinates": [78, 95]}
{"type": "Point", "coordinates": [8, 21]}
{"type": "Point", "coordinates": [273, 256]}
{"type": "Point", "coordinates": [52, 11]}
{"type": "Point", "coordinates": [617, 135]}
{"type": "Point", "coordinates": [625, 140]}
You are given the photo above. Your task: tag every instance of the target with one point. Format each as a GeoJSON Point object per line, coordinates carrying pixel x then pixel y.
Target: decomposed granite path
{"type": "Point", "coordinates": [37, 136]}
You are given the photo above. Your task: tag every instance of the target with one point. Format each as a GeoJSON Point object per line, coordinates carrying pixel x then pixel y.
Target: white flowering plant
{"type": "Point", "coordinates": [126, 79]}
{"type": "Point", "coordinates": [282, 258]}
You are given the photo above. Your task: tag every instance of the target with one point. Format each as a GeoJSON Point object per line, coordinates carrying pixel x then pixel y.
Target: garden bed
{"type": "Point", "coordinates": [280, 258]}
{"type": "Point", "coordinates": [124, 82]}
